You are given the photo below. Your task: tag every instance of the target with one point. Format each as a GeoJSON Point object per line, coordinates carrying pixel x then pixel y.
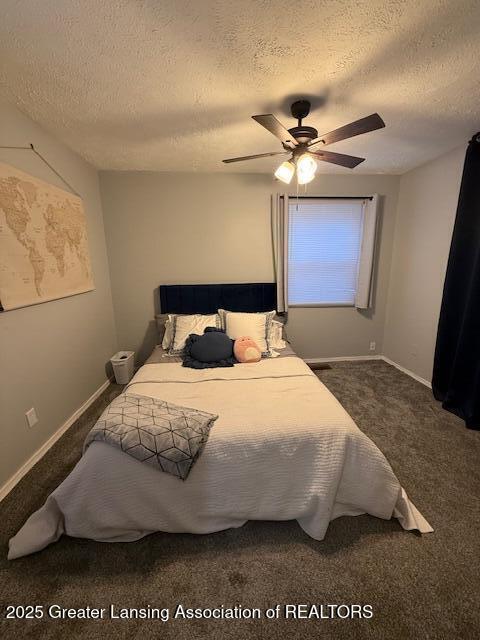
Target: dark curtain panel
{"type": "Point", "coordinates": [456, 371]}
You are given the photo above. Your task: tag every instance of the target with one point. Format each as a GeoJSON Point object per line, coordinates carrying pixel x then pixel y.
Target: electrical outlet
{"type": "Point", "coordinates": [31, 416]}
{"type": "Point", "coordinates": [373, 346]}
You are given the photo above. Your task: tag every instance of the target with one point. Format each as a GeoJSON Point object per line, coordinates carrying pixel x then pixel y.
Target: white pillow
{"type": "Point", "coordinates": [168, 334]}
{"type": "Point", "coordinates": [254, 325]}
{"type": "Point", "coordinates": [276, 341]}
{"type": "Point", "coordinates": [183, 326]}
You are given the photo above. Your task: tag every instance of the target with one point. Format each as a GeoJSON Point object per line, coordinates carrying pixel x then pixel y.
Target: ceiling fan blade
{"type": "Point", "coordinates": [337, 158]}
{"type": "Point", "coordinates": [364, 125]}
{"type": "Point", "coordinates": [259, 155]}
{"type": "Point", "coordinates": [270, 122]}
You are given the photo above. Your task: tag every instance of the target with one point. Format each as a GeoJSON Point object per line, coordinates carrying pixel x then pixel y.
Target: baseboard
{"type": "Point", "coordinates": [38, 455]}
{"type": "Point", "coordinates": [374, 357]}
{"type": "Point", "coordinates": [341, 359]}
{"type": "Point", "coordinates": [408, 372]}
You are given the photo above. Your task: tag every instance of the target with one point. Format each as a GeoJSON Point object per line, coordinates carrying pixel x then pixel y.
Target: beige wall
{"type": "Point", "coordinates": [199, 228]}
{"type": "Point", "coordinates": [52, 355]}
{"type": "Point", "coordinates": [427, 204]}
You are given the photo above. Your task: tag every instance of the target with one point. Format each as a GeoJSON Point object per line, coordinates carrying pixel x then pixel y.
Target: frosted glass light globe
{"type": "Point", "coordinates": [306, 167]}
{"type": "Point", "coordinates": [285, 172]}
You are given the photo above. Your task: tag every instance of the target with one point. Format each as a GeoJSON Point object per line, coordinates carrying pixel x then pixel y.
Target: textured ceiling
{"type": "Point", "coordinates": [171, 85]}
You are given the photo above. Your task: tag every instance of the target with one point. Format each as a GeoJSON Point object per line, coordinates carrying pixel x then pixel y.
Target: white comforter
{"type": "Point", "coordinates": [282, 448]}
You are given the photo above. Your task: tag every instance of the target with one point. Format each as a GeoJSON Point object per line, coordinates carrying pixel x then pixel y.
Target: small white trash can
{"type": "Point", "coordinates": [122, 363]}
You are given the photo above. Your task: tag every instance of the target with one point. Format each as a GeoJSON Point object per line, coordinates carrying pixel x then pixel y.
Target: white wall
{"type": "Point", "coordinates": [427, 205]}
{"type": "Point", "coordinates": [52, 355]}
{"type": "Point", "coordinates": [174, 228]}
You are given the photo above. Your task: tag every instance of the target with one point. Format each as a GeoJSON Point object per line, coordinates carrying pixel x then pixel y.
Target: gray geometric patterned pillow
{"type": "Point", "coordinates": [159, 433]}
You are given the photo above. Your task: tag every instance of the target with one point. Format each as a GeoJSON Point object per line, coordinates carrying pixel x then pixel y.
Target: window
{"type": "Point", "coordinates": [324, 250]}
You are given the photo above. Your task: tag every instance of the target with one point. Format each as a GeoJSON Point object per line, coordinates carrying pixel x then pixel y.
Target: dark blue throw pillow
{"type": "Point", "coordinates": [213, 349]}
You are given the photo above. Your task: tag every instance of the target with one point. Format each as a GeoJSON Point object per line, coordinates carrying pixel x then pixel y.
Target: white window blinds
{"type": "Point", "coordinates": [324, 250]}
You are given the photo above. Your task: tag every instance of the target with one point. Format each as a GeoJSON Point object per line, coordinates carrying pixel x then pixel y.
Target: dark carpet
{"type": "Point", "coordinates": [419, 586]}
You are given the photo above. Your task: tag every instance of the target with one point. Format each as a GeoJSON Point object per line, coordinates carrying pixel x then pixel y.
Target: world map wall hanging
{"type": "Point", "coordinates": [43, 241]}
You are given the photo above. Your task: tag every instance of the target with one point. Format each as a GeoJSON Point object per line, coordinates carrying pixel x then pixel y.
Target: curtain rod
{"type": "Point", "coordinates": [331, 197]}
{"type": "Point", "coordinates": [32, 148]}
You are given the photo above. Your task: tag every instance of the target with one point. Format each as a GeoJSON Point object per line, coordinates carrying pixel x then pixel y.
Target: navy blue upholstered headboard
{"type": "Point", "coordinates": [207, 298]}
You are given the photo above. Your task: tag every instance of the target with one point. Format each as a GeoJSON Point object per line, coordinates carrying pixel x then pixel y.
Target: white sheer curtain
{"type": "Point", "coordinates": [280, 248]}
{"type": "Point", "coordinates": [364, 295]}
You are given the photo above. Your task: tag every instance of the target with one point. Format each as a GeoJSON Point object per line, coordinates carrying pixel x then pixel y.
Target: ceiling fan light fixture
{"type": "Point", "coordinates": [302, 142]}
{"type": "Point", "coordinates": [285, 172]}
{"type": "Point", "coordinates": [306, 168]}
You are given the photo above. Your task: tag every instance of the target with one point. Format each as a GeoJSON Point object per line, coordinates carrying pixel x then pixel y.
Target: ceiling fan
{"type": "Point", "coordinates": [306, 146]}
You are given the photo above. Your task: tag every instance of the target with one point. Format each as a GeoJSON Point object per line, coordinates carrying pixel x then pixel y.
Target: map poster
{"type": "Point", "coordinates": [43, 241]}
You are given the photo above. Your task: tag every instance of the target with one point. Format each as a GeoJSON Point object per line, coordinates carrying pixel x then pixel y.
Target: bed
{"type": "Point", "coordinates": [282, 448]}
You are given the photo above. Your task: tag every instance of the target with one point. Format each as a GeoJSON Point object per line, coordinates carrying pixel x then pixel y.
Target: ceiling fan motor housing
{"type": "Point", "coordinates": [303, 134]}
{"type": "Point", "coordinates": [300, 109]}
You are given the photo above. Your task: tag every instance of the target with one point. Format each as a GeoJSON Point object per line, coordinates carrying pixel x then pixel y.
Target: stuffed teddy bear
{"type": "Point", "coordinates": [246, 350]}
